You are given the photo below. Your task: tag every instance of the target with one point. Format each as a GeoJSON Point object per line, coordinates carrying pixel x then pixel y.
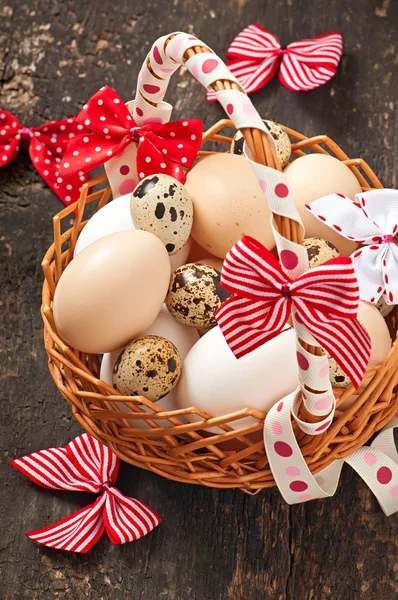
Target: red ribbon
{"type": "Point", "coordinates": [88, 466]}
{"type": "Point", "coordinates": [46, 145]}
{"type": "Point", "coordinates": [305, 65]}
{"type": "Point", "coordinates": [162, 148]}
{"type": "Point", "coordinates": [325, 299]}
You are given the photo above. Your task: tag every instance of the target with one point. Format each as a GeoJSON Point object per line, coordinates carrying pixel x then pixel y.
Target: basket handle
{"type": "Point", "coordinates": [167, 54]}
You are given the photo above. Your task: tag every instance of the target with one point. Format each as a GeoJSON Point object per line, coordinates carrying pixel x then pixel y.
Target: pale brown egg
{"type": "Point", "coordinates": [112, 291]}
{"type": "Point", "coordinates": [212, 261]}
{"type": "Point", "coordinates": [228, 202]}
{"type": "Point", "coordinates": [316, 175]}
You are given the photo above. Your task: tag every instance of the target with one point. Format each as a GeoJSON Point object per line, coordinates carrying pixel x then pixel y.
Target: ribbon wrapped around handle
{"type": "Point", "coordinates": [86, 465]}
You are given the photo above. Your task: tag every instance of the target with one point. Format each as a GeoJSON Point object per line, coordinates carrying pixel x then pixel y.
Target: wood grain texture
{"type": "Point", "coordinates": [213, 545]}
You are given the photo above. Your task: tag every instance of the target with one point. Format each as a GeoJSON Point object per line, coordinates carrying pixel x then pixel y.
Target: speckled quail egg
{"type": "Point", "coordinates": [384, 308]}
{"type": "Point", "coordinates": [338, 378]}
{"type": "Point", "coordinates": [195, 294]}
{"type": "Point", "coordinates": [319, 250]}
{"type": "Point", "coordinates": [149, 366]}
{"type": "Point", "coordinates": [161, 205]}
{"type": "Point", "coordinates": [282, 142]}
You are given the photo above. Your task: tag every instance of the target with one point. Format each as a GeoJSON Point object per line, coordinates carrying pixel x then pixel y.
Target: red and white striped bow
{"type": "Point", "coordinates": [86, 465]}
{"type": "Point", "coordinates": [304, 65]}
{"type": "Point", "coordinates": [325, 299]}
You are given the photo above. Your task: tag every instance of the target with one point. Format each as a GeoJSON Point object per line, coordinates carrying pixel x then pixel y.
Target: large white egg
{"type": "Point", "coordinates": [165, 326]}
{"type": "Point", "coordinates": [218, 383]}
{"type": "Point", "coordinates": [313, 176]}
{"type": "Point", "coordinates": [113, 217]}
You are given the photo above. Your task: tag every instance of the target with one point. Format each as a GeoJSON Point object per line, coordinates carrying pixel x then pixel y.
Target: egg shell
{"type": "Point", "coordinates": [182, 337]}
{"type": "Point", "coordinates": [197, 252]}
{"type": "Point", "coordinates": [384, 308]}
{"type": "Point", "coordinates": [212, 261]}
{"type": "Point", "coordinates": [316, 175]}
{"type": "Point", "coordinates": [113, 217]}
{"type": "Point", "coordinates": [319, 251]}
{"type": "Point", "coordinates": [218, 383]}
{"type": "Point", "coordinates": [195, 294]}
{"type": "Point", "coordinates": [282, 142]}
{"type": "Point", "coordinates": [149, 366]}
{"type": "Point", "coordinates": [112, 291]}
{"type": "Point", "coordinates": [377, 329]}
{"type": "Point", "coordinates": [161, 205]}
{"type": "Point", "coordinates": [228, 202]}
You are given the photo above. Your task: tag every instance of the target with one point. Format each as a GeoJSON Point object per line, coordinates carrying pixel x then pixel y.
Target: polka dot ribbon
{"type": "Point", "coordinates": [256, 55]}
{"type": "Point", "coordinates": [85, 465]}
{"type": "Point", "coordinates": [372, 221]}
{"type": "Point", "coordinates": [161, 148]}
{"type": "Point", "coordinates": [325, 299]}
{"type": "Point", "coordinates": [377, 464]}
{"type": "Point", "coordinates": [46, 146]}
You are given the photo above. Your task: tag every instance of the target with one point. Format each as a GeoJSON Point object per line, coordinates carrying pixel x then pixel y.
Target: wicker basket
{"type": "Point", "coordinates": [170, 447]}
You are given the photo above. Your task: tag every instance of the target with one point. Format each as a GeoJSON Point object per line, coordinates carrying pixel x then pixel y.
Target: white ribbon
{"type": "Point", "coordinates": [372, 221]}
{"type": "Point", "coordinates": [377, 464]}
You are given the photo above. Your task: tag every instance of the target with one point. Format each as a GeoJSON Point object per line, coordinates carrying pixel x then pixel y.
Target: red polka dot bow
{"type": "Point", "coordinates": [86, 465]}
{"type": "Point", "coordinates": [305, 65]}
{"type": "Point", "coordinates": [325, 299]}
{"type": "Point", "coordinates": [46, 145]}
{"type": "Point", "coordinates": [162, 148]}
{"type": "Point", "coordinates": [372, 221]}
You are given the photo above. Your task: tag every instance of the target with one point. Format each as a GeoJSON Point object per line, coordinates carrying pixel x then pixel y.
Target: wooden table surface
{"type": "Point", "coordinates": [213, 544]}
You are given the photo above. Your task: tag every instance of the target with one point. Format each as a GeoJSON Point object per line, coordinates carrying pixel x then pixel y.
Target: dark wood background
{"type": "Point", "coordinates": [212, 545]}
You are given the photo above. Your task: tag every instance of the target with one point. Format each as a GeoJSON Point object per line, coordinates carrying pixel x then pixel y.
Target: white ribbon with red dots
{"type": "Point", "coordinates": [377, 464]}
{"type": "Point", "coordinates": [372, 221]}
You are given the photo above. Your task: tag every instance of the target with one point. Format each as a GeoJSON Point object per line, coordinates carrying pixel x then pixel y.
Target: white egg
{"type": "Point", "coordinates": [181, 336]}
{"type": "Point", "coordinates": [113, 217]}
{"type": "Point", "coordinates": [218, 383]}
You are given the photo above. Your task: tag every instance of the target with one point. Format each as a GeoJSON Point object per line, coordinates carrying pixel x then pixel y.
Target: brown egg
{"type": "Point", "coordinates": [228, 202]}
{"type": "Point", "coordinates": [195, 294]}
{"type": "Point", "coordinates": [149, 366]}
{"type": "Point", "coordinates": [212, 261]}
{"type": "Point", "coordinates": [316, 175]}
{"type": "Point", "coordinates": [112, 291]}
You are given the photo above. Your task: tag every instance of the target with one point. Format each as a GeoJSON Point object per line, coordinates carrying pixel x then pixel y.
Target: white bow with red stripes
{"type": "Point", "coordinates": [85, 465]}
{"type": "Point", "coordinates": [325, 299]}
{"type": "Point", "coordinates": [305, 65]}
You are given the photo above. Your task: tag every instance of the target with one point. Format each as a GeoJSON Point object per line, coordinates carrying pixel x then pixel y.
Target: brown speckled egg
{"type": "Point", "coordinates": [161, 205]}
{"type": "Point", "coordinates": [338, 378]}
{"type": "Point", "coordinates": [384, 308]}
{"type": "Point", "coordinates": [195, 294]}
{"type": "Point", "coordinates": [149, 366]}
{"type": "Point", "coordinates": [319, 251]}
{"type": "Point", "coordinates": [282, 142]}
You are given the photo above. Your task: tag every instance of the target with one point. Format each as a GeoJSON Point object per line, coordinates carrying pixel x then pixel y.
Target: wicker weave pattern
{"type": "Point", "coordinates": [185, 452]}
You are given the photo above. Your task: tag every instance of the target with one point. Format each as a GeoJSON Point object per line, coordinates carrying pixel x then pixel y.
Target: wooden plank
{"type": "Point", "coordinates": [213, 545]}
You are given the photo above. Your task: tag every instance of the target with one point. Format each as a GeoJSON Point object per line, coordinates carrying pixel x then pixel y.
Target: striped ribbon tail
{"type": "Point", "coordinates": [86, 465]}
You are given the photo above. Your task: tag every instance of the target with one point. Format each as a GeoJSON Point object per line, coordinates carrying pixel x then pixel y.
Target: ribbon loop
{"type": "Point", "coordinates": [325, 299]}
{"type": "Point", "coordinates": [86, 465]}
